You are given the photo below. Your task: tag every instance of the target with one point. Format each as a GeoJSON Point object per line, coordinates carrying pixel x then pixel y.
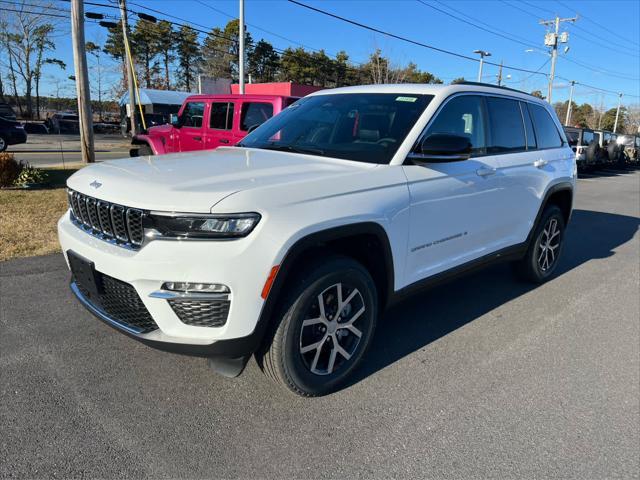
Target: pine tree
{"type": "Point", "coordinates": [189, 56]}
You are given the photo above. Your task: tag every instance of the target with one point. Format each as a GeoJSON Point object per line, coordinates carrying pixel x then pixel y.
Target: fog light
{"type": "Point", "coordinates": [195, 287]}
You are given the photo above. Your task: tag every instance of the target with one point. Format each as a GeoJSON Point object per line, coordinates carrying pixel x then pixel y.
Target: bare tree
{"type": "Point", "coordinates": [25, 36]}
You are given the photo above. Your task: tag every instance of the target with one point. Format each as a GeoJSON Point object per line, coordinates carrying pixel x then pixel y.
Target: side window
{"type": "Point", "coordinates": [254, 114]}
{"type": "Point", "coordinates": [221, 116]}
{"type": "Point", "coordinates": [192, 114]}
{"type": "Point", "coordinates": [546, 132]}
{"type": "Point", "coordinates": [506, 127]}
{"type": "Point", "coordinates": [464, 116]}
{"type": "Point", "coordinates": [587, 138]}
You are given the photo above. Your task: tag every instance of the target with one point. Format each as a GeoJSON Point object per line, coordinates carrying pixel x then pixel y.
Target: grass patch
{"type": "Point", "coordinates": [57, 177]}
{"type": "Point", "coordinates": [28, 221]}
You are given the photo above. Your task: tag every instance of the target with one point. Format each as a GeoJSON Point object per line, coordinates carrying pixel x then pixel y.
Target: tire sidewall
{"type": "Point", "coordinates": [352, 274]}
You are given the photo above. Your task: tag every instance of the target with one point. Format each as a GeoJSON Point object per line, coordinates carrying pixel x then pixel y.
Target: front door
{"type": "Point", "coordinates": [453, 204]}
{"type": "Point", "coordinates": [191, 132]}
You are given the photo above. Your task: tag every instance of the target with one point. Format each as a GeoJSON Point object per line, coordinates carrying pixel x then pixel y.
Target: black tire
{"type": "Point", "coordinates": [591, 156]}
{"type": "Point", "coordinates": [532, 267]}
{"type": "Point", "coordinates": [144, 151]}
{"type": "Point", "coordinates": [3, 143]}
{"type": "Point", "coordinates": [282, 358]}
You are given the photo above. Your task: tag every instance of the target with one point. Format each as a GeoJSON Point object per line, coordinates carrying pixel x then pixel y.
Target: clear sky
{"type": "Point", "coordinates": [603, 59]}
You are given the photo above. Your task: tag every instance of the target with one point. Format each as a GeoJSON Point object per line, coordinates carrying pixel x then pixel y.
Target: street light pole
{"type": "Point", "coordinates": [82, 81]}
{"type": "Point", "coordinates": [482, 54]}
{"type": "Point", "coordinates": [615, 125]}
{"type": "Point", "coordinates": [130, 73]}
{"type": "Point", "coordinates": [241, 48]}
{"type": "Point", "coordinates": [568, 119]}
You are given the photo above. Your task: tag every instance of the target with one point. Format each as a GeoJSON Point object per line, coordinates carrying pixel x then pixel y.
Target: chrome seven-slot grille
{"type": "Point", "coordinates": [106, 220]}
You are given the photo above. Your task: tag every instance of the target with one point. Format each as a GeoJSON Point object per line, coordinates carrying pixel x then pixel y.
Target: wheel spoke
{"type": "Point", "coordinates": [332, 356]}
{"type": "Point", "coordinates": [350, 297]}
{"type": "Point", "coordinates": [313, 321]}
{"type": "Point", "coordinates": [321, 305]}
{"type": "Point", "coordinates": [314, 364]}
{"type": "Point", "coordinates": [341, 350]}
{"type": "Point", "coordinates": [553, 255]}
{"type": "Point", "coordinates": [313, 346]}
{"type": "Point", "coordinates": [353, 318]}
{"type": "Point", "coordinates": [339, 288]}
{"type": "Point", "coordinates": [542, 250]}
{"type": "Point", "coordinates": [352, 329]}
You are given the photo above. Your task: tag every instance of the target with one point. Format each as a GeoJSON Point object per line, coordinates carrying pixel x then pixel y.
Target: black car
{"type": "Point", "coordinates": [11, 133]}
{"type": "Point", "coordinates": [6, 111]}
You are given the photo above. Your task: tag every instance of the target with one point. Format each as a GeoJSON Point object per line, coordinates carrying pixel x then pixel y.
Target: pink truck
{"type": "Point", "coordinates": [208, 121]}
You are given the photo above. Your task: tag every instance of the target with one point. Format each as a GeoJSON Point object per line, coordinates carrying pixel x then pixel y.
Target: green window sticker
{"type": "Point", "coordinates": [406, 99]}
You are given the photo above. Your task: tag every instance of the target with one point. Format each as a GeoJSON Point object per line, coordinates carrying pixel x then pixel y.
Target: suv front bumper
{"type": "Point", "coordinates": [232, 263]}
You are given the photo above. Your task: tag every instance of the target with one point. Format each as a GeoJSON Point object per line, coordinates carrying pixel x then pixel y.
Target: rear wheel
{"type": "Point", "coordinates": [3, 144]}
{"type": "Point", "coordinates": [327, 324]}
{"type": "Point", "coordinates": [543, 253]}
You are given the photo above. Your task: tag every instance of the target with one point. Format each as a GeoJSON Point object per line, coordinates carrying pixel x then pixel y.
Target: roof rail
{"type": "Point", "coordinates": [482, 84]}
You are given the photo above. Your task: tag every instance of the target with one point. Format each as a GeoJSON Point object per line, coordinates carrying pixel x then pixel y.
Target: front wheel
{"type": "Point", "coordinates": [328, 322]}
{"type": "Point", "coordinates": [543, 253]}
{"type": "Point", "coordinates": [3, 144]}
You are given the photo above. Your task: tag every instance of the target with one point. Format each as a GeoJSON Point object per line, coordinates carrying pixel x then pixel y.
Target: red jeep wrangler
{"type": "Point", "coordinates": [209, 121]}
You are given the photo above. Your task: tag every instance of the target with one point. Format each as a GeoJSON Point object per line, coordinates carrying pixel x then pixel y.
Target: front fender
{"type": "Point", "coordinates": [156, 144]}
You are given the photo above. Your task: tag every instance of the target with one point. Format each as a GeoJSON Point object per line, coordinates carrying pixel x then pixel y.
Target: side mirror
{"type": "Point", "coordinates": [174, 120]}
{"type": "Point", "coordinates": [442, 147]}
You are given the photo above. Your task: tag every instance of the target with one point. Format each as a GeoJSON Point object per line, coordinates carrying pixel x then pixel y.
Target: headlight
{"type": "Point", "coordinates": [202, 226]}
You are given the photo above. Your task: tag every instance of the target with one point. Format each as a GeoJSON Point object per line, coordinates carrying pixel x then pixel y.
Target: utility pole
{"type": "Point", "coordinates": [482, 54]}
{"type": "Point", "coordinates": [615, 124]}
{"type": "Point", "coordinates": [500, 74]}
{"type": "Point", "coordinates": [128, 61]}
{"type": "Point", "coordinates": [568, 119]}
{"type": "Point", "coordinates": [551, 40]}
{"type": "Point", "coordinates": [241, 49]}
{"type": "Point", "coordinates": [82, 81]}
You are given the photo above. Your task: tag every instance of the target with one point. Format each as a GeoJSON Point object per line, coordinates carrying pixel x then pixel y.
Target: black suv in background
{"type": "Point", "coordinates": [11, 133]}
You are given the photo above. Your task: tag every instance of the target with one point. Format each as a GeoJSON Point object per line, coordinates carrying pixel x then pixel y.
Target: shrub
{"type": "Point", "coordinates": [30, 175]}
{"type": "Point", "coordinates": [9, 169]}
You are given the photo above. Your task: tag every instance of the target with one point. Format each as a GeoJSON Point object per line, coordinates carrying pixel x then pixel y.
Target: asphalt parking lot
{"type": "Point", "coordinates": [482, 377]}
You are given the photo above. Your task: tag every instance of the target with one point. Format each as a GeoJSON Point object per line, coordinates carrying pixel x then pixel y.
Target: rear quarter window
{"type": "Point", "coordinates": [254, 114]}
{"type": "Point", "coordinates": [547, 134]}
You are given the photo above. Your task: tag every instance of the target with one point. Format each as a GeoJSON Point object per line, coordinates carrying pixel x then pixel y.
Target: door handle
{"type": "Point", "coordinates": [540, 163]}
{"type": "Point", "coordinates": [199, 139]}
{"type": "Point", "coordinates": [224, 140]}
{"type": "Point", "coordinates": [486, 171]}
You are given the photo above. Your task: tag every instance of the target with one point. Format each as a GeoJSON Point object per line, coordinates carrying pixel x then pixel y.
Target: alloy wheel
{"type": "Point", "coordinates": [332, 329]}
{"type": "Point", "coordinates": [548, 245]}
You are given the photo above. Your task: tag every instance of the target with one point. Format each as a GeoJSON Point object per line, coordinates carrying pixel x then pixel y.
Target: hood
{"type": "Point", "coordinates": [160, 130]}
{"type": "Point", "coordinates": [196, 181]}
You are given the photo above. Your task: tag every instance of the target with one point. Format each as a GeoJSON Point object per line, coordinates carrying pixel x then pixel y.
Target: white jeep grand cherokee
{"type": "Point", "coordinates": [291, 244]}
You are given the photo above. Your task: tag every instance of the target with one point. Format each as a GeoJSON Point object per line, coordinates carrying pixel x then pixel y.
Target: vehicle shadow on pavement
{"type": "Point", "coordinates": [609, 171]}
{"type": "Point", "coordinates": [426, 317]}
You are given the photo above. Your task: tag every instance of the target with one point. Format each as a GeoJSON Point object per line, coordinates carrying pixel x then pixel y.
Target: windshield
{"type": "Point", "coordinates": [364, 127]}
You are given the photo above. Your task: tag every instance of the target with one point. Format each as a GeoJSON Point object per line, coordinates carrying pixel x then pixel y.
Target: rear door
{"type": "Point", "coordinates": [526, 174]}
{"type": "Point", "coordinates": [191, 132]}
{"type": "Point", "coordinates": [220, 128]}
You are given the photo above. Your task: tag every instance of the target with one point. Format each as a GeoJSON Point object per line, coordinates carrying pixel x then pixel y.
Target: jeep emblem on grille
{"type": "Point", "coordinates": [95, 184]}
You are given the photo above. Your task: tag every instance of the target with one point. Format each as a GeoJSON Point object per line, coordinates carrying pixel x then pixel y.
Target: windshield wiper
{"type": "Point", "coordinates": [294, 149]}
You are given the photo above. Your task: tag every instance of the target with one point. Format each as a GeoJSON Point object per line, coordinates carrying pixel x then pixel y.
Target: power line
{"type": "Point", "coordinates": [493, 27]}
{"type": "Point", "coordinates": [44, 14]}
{"type": "Point", "coordinates": [599, 25]}
{"type": "Point", "coordinates": [593, 68]}
{"type": "Point", "coordinates": [511, 39]}
{"type": "Point", "coordinates": [404, 39]}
